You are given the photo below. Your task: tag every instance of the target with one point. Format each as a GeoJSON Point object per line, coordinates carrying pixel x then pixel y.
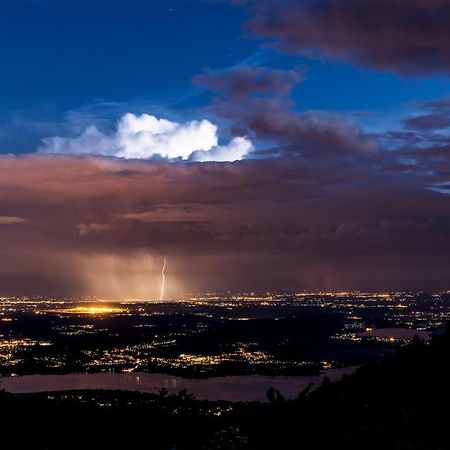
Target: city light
{"type": "Point", "coordinates": [92, 310]}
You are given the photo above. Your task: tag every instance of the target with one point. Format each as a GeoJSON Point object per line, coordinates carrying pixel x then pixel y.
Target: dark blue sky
{"type": "Point", "coordinates": [69, 52]}
{"type": "Point", "coordinates": [59, 56]}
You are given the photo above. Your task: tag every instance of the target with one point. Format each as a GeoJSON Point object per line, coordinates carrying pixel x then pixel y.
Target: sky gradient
{"type": "Point", "coordinates": [254, 144]}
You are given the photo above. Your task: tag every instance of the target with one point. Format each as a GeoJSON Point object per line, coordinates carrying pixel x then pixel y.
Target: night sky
{"type": "Point", "coordinates": [256, 145]}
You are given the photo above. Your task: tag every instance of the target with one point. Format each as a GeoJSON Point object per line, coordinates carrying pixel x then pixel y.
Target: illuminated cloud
{"type": "Point", "coordinates": [236, 150]}
{"type": "Point", "coordinates": [147, 137]}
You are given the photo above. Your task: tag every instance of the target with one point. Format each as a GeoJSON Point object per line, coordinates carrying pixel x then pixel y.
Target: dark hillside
{"type": "Point", "coordinates": [399, 403]}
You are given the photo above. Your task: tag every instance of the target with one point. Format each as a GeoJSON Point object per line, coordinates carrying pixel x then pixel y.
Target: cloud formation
{"type": "Point", "coordinates": [405, 37]}
{"type": "Point", "coordinates": [256, 102]}
{"type": "Point", "coordinates": [430, 116]}
{"type": "Point", "coordinates": [146, 137]}
{"type": "Point", "coordinates": [221, 226]}
{"type": "Point", "coordinates": [237, 149]}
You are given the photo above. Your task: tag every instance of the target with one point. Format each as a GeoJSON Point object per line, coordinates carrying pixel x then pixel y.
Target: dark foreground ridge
{"type": "Point", "coordinates": [399, 403]}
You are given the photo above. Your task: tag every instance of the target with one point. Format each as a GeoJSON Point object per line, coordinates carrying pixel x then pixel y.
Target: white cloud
{"type": "Point", "coordinates": [145, 137]}
{"type": "Point", "coordinates": [235, 150]}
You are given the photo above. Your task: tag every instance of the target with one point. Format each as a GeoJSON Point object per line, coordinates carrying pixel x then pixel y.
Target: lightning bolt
{"type": "Point", "coordinates": [163, 280]}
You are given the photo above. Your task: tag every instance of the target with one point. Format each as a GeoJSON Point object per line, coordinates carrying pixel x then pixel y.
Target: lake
{"type": "Point", "coordinates": [230, 388]}
{"type": "Point", "coordinates": [405, 334]}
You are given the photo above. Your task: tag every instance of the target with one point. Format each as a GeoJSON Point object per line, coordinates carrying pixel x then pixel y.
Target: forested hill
{"type": "Point", "coordinates": [399, 403]}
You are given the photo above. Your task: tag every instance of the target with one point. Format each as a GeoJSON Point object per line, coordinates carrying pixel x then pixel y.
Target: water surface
{"type": "Point", "coordinates": [406, 334]}
{"type": "Point", "coordinates": [231, 388]}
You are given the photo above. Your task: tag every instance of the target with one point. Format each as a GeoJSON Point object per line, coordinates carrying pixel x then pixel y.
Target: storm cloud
{"type": "Point", "coordinates": [256, 101]}
{"type": "Point", "coordinates": [408, 37]}
{"type": "Point", "coordinates": [266, 224]}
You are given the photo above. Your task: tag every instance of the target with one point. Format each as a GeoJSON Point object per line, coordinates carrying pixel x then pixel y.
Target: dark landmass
{"type": "Point", "coordinates": [398, 403]}
{"type": "Point", "coordinates": [289, 341]}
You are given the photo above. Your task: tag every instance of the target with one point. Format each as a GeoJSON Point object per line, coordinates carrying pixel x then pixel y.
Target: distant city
{"type": "Point", "coordinates": [211, 335]}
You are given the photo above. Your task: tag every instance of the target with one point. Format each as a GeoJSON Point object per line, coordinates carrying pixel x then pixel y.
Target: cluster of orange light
{"type": "Point", "coordinates": [94, 309]}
